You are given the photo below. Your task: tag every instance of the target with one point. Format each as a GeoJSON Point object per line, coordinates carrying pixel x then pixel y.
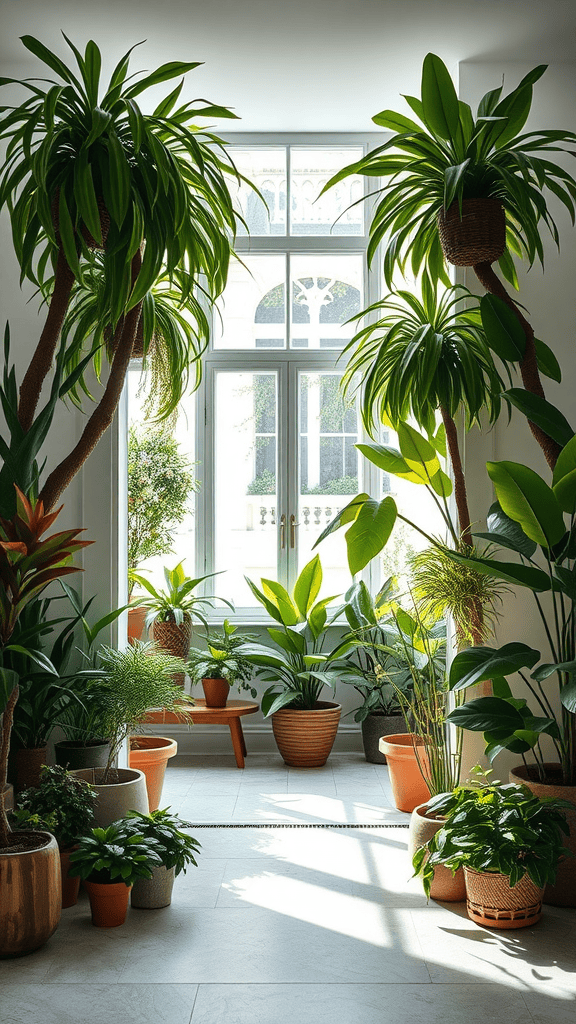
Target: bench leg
{"type": "Point", "coordinates": [238, 741]}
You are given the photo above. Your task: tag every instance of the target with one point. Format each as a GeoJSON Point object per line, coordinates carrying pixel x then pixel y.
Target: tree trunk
{"type": "Point", "coordinates": [7, 719]}
{"type": "Point", "coordinates": [528, 364]}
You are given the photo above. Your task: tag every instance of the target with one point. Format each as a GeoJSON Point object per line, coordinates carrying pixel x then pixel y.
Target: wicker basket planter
{"type": "Point", "coordinates": [478, 236]}
{"type": "Point", "coordinates": [174, 639]}
{"type": "Point", "coordinates": [492, 903]}
{"type": "Point", "coordinates": [305, 738]}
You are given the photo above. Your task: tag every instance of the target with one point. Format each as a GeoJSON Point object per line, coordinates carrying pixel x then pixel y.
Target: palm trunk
{"type": "Point", "coordinates": [7, 719]}
{"type": "Point", "coordinates": [41, 361]}
{"type": "Point", "coordinates": [528, 363]}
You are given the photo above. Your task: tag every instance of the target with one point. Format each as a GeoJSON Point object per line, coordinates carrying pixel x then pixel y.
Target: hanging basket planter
{"type": "Point", "coordinates": [491, 902]}
{"type": "Point", "coordinates": [476, 236]}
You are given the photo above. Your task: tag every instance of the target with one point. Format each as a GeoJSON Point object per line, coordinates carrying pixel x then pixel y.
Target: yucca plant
{"type": "Point", "coordinates": [86, 168]}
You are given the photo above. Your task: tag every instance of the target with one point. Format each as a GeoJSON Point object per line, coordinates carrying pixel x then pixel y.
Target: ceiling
{"type": "Point", "coordinates": [298, 65]}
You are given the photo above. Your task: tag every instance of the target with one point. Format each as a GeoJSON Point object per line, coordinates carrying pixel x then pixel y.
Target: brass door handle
{"type": "Point", "coordinates": [293, 525]}
{"type": "Point", "coordinates": [282, 531]}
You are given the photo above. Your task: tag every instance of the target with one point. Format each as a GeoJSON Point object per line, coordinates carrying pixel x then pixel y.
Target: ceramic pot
{"type": "Point", "coordinates": [73, 755]}
{"type": "Point", "coordinates": [70, 883]}
{"type": "Point", "coordinates": [446, 887]}
{"type": "Point", "coordinates": [29, 761]}
{"type": "Point", "coordinates": [563, 892]}
{"type": "Point", "coordinates": [373, 728]}
{"type": "Point", "coordinates": [108, 903]}
{"type": "Point", "coordinates": [216, 692]}
{"type": "Point", "coordinates": [408, 786]}
{"type": "Point", "coordinates": [125, 792]}
{"type": "Point", "coordinates": [150, 754]}
{"type": "Point", "coordinates": [492, 903]}
{"type": "Point", "coordinates": [305, 738]}
{"type": "Point", "coordinates": [31, 888]}
{"type": "Point", "coordinates": [153, 893]}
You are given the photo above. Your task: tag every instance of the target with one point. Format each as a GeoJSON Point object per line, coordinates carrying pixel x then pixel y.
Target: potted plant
{"type": "Point", "coordinates": [109, 860]}
{"type": "Point", "coordinates": [170, 611]}
{"type": "Point", "coordinates": [221, 665]}
{"type": "Point", "coordinates": [125, 685]}
{"type": "Point", "coordinates": [298, 668]}
{"type": "Point", "coordinates": [63, 805]}
{"type": "Point", "coordinates": [178, 851]}
{"type": "Point", "coordinates": [509, 843]}
{"type": "Point", "coordinates": [31, 898]}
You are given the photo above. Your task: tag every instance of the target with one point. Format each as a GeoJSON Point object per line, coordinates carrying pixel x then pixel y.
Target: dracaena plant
{"type": "Point", "coordinates": [85, 168]}
{"type": "Point", "coordinates": [177, 602]}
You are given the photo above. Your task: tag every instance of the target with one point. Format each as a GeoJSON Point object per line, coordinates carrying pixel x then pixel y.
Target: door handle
{"type": "Point", "coordinates": [282, 531]}
{"type": "Point", "coordinates": [293, 525]}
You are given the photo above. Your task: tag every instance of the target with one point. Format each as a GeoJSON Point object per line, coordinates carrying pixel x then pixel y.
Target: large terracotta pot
{"type": "Point", "coordinates": [126, 793]}
{"type": "Point", "coordinates": [29, 762]}
{"type": "Point", "coordinates": [70, 883]}
{"type": "Point", "coordinates": [446, 887]}
{"type": "Point", "coordinates": [373, 728]}
{"type": "Point", "coordinates": [150, 754]}
{"type": "Point", "coordinates": [305, 738]}
{"type": "Point", "coordinates": [216, 692]}
{"type": "Point", "coordinates": [31, 894]}
{"type": "Point", "coordinates": [153, 893]}
{"type": "Point", "coordinates": [563, 892]}
{"type": "Point", "coordinates": [108, 903]}
{"type": "Point", "coordinates": [408, 785]}
{"type": "Point", "coordinates": [477, 235]}
{"type": "Point", "coordinates": [491, 902]}
{"type": "Point", "coordinates": [72, 755]}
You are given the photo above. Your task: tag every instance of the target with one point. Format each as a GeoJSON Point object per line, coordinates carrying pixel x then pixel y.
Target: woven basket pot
{"type": "Point", "coordinates": [478, 236]}
{"type": "Point", "coordinates": [305, 738]}
{"type": "Point", "coordinates": [446, 887]}
{"type": "Point", "coordinates": [563, 892]}
{"type": "Point", "coordinates": [175, 640]}
{"type": "Point", "coordinates": [492, 903]}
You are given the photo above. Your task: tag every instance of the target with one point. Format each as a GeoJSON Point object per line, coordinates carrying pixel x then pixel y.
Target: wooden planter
{"type": "Point", "coordinates": [305, 738]}
{"type": "Point", "coordinates": [216, 692]}
{"type": "Point", "coordinates": [408, 785]}
{"type": "Point", "coordinates": [478, 235]}
{"type": "Point", "coordinates": [563, 892]}
{"type": "Point", "coordinates": [31, 901]}
{"type": "Point", "coordinates": [150, 754]}
{"type": "Point", "coordinates": [492, 903]}
{"type": "Point", "coordinates": [446, 887]}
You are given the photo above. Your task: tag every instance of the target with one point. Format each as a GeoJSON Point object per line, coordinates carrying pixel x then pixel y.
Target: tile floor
{"type": "Point", "coordinates": [281, 925]}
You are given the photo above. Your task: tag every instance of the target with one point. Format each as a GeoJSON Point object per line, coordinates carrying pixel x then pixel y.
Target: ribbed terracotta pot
{"type": "Point", "coordinates": [156, 892]}
{"type": "Point", "coordinates": [446, 887]}
{"type": "Point", "coordinates": [113, 800]}
{"type": "Point", "coordinates": [305, 738]}
{"type": "Point", "coordinates": [108, 903]}
{"type": "Point", "coordinates": [492, 903]}
{"type": "Point", "coordinates": [373, 728]}
{"type": "Point", "coordinates": [216, 692]}
{"type": "Point", "coordinates": [72, 755]}
{"type": "Point", "coordinates": [150, 754]}
{"type": "Point", "coordinates": [408, 785]}
{"type": "Point", "coordinates": [174, 640]}
{"type": "Point", "coordinates": [475, 235]}
{"type": "Point", "coordinates": [29, 762]}
{"type": "Point", "coordinates": [70, 883]}
{"type": "Point", "coordinates": [563, 892]}
{"type": "Point", "coordinates": [31, 895]}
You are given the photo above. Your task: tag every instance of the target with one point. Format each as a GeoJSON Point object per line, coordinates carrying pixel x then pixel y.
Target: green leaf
{"type": "Point", "coordinates": [346, 515]}
{"type": "Point", "coordinates": [68, 236]}
{"type": "Point", "coordinates": [417, 451]}
{"type": "Point", "coordinates": [545, 671]}
{"type": "Point", "coordinates": [487, 714]}
{"type": "Point", "coordinates": [542, 413]}
{"type": "Point", "coordinates": [547, 362]}
{"type": "Point", "coordinates": [529, 501]}
{"type": "Point", "coordinates": [390, 461]}
{"type": "Point", "coordinates": [439, 99]}
{"type": "Point", "coordinates": [173, 69]}
{"type": "Point", "coordinates": [441, 484]}
{"type": "Point", "coordinates": [395, 122]}
{"type": "Point", "coordinates": [510, 572]}
{"type": "Point", "coordinates": [479, 663]}
{"type": "Point", "coordinates": [568, 697]}
{"type": "Point", "coordinates": [509, 531]}
{"type": "Point", "coordinates": [504, 332]}
{"type": "Point", "coordinates": [280, 597]}
{"type": "Point", "coordinates": [369, 532]}
{"type": "Point", "coordinates": [308, 585]}
{"type": "Point", "coordinates": [564, 477]}
{"type": "Point", "coordinates": [8, 680]}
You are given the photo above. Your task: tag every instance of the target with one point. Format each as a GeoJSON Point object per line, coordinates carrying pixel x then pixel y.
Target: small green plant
{"type": "Point", "coordinates": [62, 804]}
{"type": "Point", "coordinates": [222, 660]}
{"type": "Point", "coordinates": [115, 854]}
{"type": "Point", "coordinates": [495, 828]}
{"type": "Point", "coordinates": [179, 849]}
{"type": "Point", "coordinates": [177, 602]}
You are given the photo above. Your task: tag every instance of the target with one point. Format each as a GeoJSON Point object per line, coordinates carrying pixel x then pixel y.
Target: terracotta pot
{"type": "Point", "coordinates": [408, 786]}
{"type": "Point", "coordinates": [153, 893]}
{"type": "Point", "coordinates": [477, 235]}
{"type": "Point", "coordinates": [31, 902]}
{"type": "Point", "coordinates": [305, 738]}
{"type": "Point", "coordinates": [174, 640]}
{"type": "Point", "coordinates": [150, 754]}
{"type": "Point", "coordinates": [492, 903]}
{"type": "Point", "coordinates": [72, 755]}
{"type": "Point", "coordinates": [70, 883]}
{"type": "Point", "coordinates": [373, 728]}
{"type": "Point", "coordinates": [108, 903]}
{"type": "Point", "coordinates": [136, 623]}
{"type": "Point", "coordinates": [446, 887]}
{"type": "Point", "coordinates": [126, 793]}
{"type": "Point", "coordinates": [29, 761]}
{"type": "Point", "coordinates": [216, 692]}
{"type": "Point", "coordinates": [563, 892]}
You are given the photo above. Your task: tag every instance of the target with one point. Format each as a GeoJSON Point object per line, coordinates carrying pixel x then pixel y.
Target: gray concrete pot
{"type": "Point", "coordinates": [153, 893]}
{"type": "Point", "coordinates": [126, 793]}
{"type": "Point", "coordinates": [375, 726]}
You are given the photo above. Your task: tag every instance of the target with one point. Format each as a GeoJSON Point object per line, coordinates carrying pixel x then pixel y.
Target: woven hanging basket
{"type": "Point", "coordinates": [492, 903]}
{"type": "Point", "coordinates": [478, 236]}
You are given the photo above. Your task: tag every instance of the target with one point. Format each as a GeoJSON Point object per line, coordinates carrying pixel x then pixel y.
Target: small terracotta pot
{"type": "Point", "coordinates": [108, 903]}
{"type": "Point", "coordinates": [136, 623]}
{"type": "Point", "coordinates": [563, 892]}
{"type": "Point", "coordinates": [150, 754]}
{"type": "Point", "coordinates": [305, 738]}
{"type": "Point", "coordinates": [446, 887]}
{"type": "Point", "coordinates": [216, 692]}
{"type": "Point", "coordinates": [70, 883]}
{"type": "Point", "coordinates": [492, 903]}
{"type": "Point", "coordinates": [408, 785]}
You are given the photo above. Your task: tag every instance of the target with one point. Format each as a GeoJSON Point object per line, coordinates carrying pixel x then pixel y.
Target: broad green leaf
{"type": "Point", "coordinates": [417, 451]}
{"type": "Point", "coordinates": [504, 332]}
{"type": "Point", "coordinates": [37, 657]}
{"type": "Point", "coordinates": [390, 461]}
{"type": "Point", "coordinates": [498, 522]}
{"type": "Point", "coordinates": [173, 69]}
{"type": "Point", "coordinates": [395, 122]}
{"type": "Point", "coordinates": [441, 484]}
{"type": "Point", "coordinates": [487, 714]}
{"type": "Point", "coordinates": [280, 597]}
{"type": "Point", "coordinates": [545, 671]}
{"type": "Point", "coordinates": [439, 99]}
{"type": "Point", "coordinates": [542, 413]}
{"type": "Point", "coordinates": [479, 663]}
{"type": "Point", "coordinates": [528, 499]}
{"type": "Point", "coordinates": [564, 477]}
{"type": "Point", "coordinates": [547, 362]}
{"type": "Point", "coordinates": [8, 680]}
{"type": "Point", "coordinates": [346, 515]}
{"type": "Point", "coordinates": [272, 702]}
{"type": "Point", "coordinates": [308, 585]}
{"type": "Point", "coordinates": [270, 606]}
{"type": "Point", "coordinates": [369, 532]}
{"type": "Point", "coordinates": [288, 640]}
{"type": "Point", "coordinates": [522, 575]}
{"type": "Point", "coordinates": [568, 697]}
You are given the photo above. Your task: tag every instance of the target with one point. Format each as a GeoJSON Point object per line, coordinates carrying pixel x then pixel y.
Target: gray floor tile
{"type": "Point", "coordinates": [93, 1004]}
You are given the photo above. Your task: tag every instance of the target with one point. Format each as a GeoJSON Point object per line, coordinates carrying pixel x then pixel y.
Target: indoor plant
{"type": "Point", "coordinates": [109, 860]}
{"type": "Point", "coordinates": [507, 840]}
{"type": "Point", "coordinates": [178, 850]}
{"type": "Point", "coordinates": [64, 806]}
{"type": "Point", "coordinates": [298, 668]}
{"type": "Point", "coordinates": [221, 665]}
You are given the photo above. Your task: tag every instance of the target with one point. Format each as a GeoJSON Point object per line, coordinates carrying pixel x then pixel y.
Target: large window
{"type": "Point", "coordinates": [274, 441]}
